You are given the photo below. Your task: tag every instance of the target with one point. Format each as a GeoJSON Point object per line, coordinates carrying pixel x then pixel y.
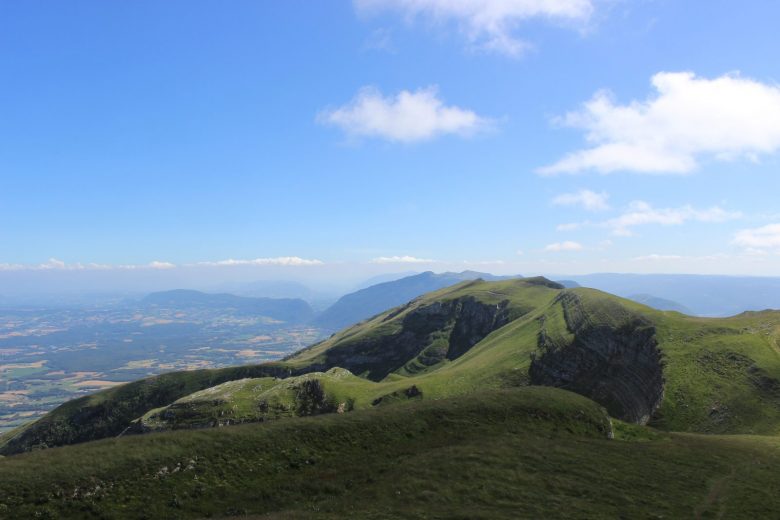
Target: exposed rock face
{"type": "Point", "coordinates": [619, 367]}
{"type": "Point", "coordinates": [429, 334]}
{"type": "Point", "coordinates": [400, 395]}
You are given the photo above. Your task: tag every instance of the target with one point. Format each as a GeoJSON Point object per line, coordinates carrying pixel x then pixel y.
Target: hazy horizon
{"type": "Point", "coordinates": [42, 286]}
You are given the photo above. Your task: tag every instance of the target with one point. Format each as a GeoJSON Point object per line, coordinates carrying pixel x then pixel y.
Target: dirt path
{"type": "Point", "coordinates": [716, 491]}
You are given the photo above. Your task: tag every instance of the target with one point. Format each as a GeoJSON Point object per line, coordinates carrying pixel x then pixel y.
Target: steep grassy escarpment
{"type": "Point", "coordinates": [716, 375]}
{"type": "Point", "coordinates": [722, 375]}
{"type": "Point", "coordinates": [425, 336]}
{"type": "Point", "coordinates": [612, 357]}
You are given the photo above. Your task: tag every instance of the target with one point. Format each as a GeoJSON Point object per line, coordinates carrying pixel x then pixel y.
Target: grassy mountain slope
{"type": "Point", "coordinates": [524, 453]}
{"type": "Point", "coordinates": [364, 303]}
{"type": "Point", "coordinates": [677, 372]}
{"type": "Point", "coordinates": [109, 412]}
{"type": "Point", "coordinates": [256, 400]}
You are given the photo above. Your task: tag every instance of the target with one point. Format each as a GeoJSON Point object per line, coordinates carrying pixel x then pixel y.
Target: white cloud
{"type": "Point", "coordinates": [586, 199]}
{"type": "Point", "coordinates": [757, 240]}
{"type": "Point", "coordinates": [406, 117]}
{"type": "Point", "coordinates": [483, 262]}
{"type": "Point", "coordinates": [656, 257]}
{"type": "Point", "coordinates": [281, 260]}
{"type": "Point", "coordinates": [572, 226]}
{"type": "Point", "coordinates": [661, 258]}
{"type": "Point", "coordinates": [487, 24]}
{"type": "Point", "coordinates": [641, 213]}
{"type": "Point", "coordinates": [401, 260]}
{"type": "Point", "coordinates": [380, 40]}
{"type": "Point", "coordinates": [687, 119]}
{"type": "Point", "coordinates": [156, 264]}
{"type": "Point", "coordinates": [54, 264]}
{"type": "Point", "coordinates": [563, 246]}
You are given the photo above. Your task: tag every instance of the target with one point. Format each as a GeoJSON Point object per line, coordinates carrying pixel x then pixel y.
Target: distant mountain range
{"type": "Point", "coordinates": [365, 303]}
{"type": "Point", "coordinates": [662, 304]}
{"type": "Point", "coordinates": [688, 294]}
{"type": "Point", "coordinates": [702, 295]}
{"type": "Point", "coordinates": [291, 310]}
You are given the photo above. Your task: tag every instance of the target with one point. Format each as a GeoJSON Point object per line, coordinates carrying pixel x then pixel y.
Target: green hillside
{"type": "Point", "coordinates": [256, 400]}
{"type": "Point", "coordinates": [524, 453]}
{"type": "Point", "coordinates": [674, 372]}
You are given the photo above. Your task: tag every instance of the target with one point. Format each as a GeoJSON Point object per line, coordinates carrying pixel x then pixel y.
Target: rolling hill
{"type": "Point", "coordinates": [461, 402]}
{"type": "Point", "coordinates": [645, 366]}
{"type": "Point", "coordinates": [522, 453]}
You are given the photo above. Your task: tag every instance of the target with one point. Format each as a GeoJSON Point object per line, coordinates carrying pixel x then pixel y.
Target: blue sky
{"type": "Point", "coordinates": [369, 136]}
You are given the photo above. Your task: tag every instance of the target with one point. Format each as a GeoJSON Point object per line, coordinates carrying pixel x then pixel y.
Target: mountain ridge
{"type": "Point", "coordinates": [366, 302]}
{"type": "Point", "coordinates": [646, 366]}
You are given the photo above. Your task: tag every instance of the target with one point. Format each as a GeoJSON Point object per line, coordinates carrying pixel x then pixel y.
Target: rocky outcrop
{"type": "Point", "coordinates": [616, 363]}
{"type": "Point", "coordinates": [398, 396]}
{"type": "Point", "coordinates": [246, 401]}
{"type": "Point", "coordinates": [429, 334]}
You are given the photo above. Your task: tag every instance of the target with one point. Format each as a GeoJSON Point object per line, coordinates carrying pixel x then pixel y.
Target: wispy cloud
{"type": "Point", "coordinates": [573, 226]}
{"type": "Point", "coordinates": [586, 199]}
{"type": "Point", "coordinates": [380, 40]}
{"type": "Point", "coordinates": [640, 213]}
{"type": "Point", "coordinates": [279, 260]}
{"type": "Point", "coordinates": [483, 262]}
{"type": "Point", "coordinates": [54, 264]}
{"type": "Point", "coordinates": [656, 257]}
{"type": "Point", "coordinates": [161, 265]}
{"type": "Point", "coordinates": [687, 119]}
{"type": "Point", "coordinates": [489, 25]}
{"type": "Point", "coordinates": [401, 260]}
{"type": "Point", "coordinates": [758, 240]}
{"type": "Point", "coordinates": [564, 246]}
{"type": "Point", "coordinates": [406, 117]}
{"type": "Point", "coordinates": [666, 258]}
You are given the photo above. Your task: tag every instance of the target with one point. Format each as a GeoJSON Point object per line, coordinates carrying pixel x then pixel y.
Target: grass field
{"type": "Point", "coordinates": [526, 453]}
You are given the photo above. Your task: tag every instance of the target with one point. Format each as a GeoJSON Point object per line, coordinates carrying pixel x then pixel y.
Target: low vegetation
{"type": "Point", "coordinates": [525, 453]}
